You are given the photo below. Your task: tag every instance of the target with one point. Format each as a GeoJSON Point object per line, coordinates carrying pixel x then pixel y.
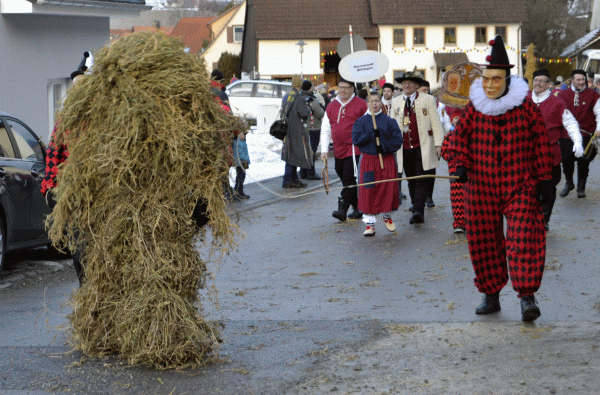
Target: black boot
{"type": "Point", "coordinates": [529, 309]}
{"type": "Point", "coordinates": [569, 186]}
{"type": "Point", "coordinates": [355, 214]}
{"type": "Point", "coordinates": [490, 304]}
{"type": "Point", "coordinates": [342, 210]}
{"type": "Point", "coordinates": [581, 188]}
{"type": "Point", "coordinates": [418, 217]}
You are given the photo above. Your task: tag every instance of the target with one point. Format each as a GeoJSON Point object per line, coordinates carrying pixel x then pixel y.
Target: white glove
{"type": "Point", "coordinates": [578, 150]}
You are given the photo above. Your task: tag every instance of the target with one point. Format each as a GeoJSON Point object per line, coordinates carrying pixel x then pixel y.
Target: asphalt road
{"type": "Point", "coordinates": [311, 306]}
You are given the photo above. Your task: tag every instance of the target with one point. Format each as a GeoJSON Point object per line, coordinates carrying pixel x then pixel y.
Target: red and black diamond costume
{"type": "Point", "coordinates": [504, 145]}
{"type": "Point", "coordinates": [457, 190]}
{"type": "Point", "coordinates": [55, 155]}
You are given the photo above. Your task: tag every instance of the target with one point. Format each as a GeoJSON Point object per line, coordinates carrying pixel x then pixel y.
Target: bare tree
{"type": "Point", "coordinates": [554, 24]}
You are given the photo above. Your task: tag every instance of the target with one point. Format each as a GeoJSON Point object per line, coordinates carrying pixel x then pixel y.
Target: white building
{"type": "Point", "coordinates": [429, 35]}
{"type": "Point", "coordinates": [41, 43]}
{"type": "Point", "coordinates": [228, 34]}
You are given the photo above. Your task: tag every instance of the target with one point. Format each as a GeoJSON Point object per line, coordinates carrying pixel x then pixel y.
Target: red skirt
{"type": "Point", "coordinates": [382, 197]}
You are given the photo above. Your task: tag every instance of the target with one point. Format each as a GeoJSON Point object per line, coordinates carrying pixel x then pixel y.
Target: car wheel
{"type": "Point", "coordinates": [2, 242]}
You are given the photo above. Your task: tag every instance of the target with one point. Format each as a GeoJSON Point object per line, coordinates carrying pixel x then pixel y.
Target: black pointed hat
{"type": "Point", "coordinates": [84, 65]}
{"type": "Point", "coordinates": [498, 58]}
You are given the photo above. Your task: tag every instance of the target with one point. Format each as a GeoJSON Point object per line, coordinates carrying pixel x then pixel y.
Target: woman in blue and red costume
{"type": "Point", "coordinates": [500, 150]}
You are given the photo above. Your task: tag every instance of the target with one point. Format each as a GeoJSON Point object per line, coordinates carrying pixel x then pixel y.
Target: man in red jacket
{"type": "Point", "coordinates": [337, 124]}
{"type": "Point", "coordinates": [559, 122]}
{"type": "Point", "coordinates": [500, 150]}
{"type": "Point", "coordinates": [584, 104]}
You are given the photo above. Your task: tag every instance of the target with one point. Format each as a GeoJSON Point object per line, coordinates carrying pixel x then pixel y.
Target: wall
{"type": "Point", "coordinates": [35, 49]}
{"type": "Point", "coordinates": [421, 56]}
{"type": "Point", "coordinates": [276, 57]}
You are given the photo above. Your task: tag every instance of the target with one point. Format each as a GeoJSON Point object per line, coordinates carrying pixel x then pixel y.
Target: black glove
{"type": "Point", "coordinates": [545, 191]}
{"type": "Point", "coordinates": [462, 173]}
{"type": "Point", "coordinates": [50, 201]}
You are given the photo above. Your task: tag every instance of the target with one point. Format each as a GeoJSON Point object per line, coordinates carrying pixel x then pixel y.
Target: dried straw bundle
{"type": "Point", "coordinates": [146, 140]}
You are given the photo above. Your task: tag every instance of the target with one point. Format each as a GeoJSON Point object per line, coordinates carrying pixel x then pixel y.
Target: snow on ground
{"type": "Point", "coordinates": [265, 158]}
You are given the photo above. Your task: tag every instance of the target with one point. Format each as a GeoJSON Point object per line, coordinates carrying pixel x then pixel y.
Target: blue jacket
{"type": "Point", "coordinates": [390, 135]}
{"type": "Point", "coordinates": [240, 149]}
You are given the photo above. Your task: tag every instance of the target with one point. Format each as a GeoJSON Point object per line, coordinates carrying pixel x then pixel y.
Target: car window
{"type": "Point", "coordinates": [29, 147]}
{"type": "Point", "coordinates": [286, 89]}
{"type": "Point", "coordinates": [243, 89]}
{"type": "Point", "coordinates": [266, 90]}
{"type": "Point", "coordinates": [6, 148]}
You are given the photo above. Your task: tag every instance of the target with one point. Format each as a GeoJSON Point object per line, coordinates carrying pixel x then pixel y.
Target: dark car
{"type": "Point", "coordinates": [23, 209]}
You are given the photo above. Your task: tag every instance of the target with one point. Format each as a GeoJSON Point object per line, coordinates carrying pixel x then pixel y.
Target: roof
{"type": "Point", "coordinates": [581, 43]}
{"type": "Point", "coordinates": [456, 12]}
{"type": "Point", "coordinates": [193, 32]}
{"type": "Point", "coordinates": [312, 19]}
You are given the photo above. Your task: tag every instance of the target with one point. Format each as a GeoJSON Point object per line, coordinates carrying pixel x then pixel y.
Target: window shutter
{"type": "Point", "coordinates": [229, 34]}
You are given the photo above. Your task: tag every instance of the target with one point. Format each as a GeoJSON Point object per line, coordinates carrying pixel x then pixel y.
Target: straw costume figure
{"type": "Point", "coordinates": [148, 149]}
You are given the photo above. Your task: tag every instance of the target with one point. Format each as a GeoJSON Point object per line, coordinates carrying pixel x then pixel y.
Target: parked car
{"type": "Point", "coordinates": [23, 209]}
{"type": "Point", "coordinates": [246, 95]}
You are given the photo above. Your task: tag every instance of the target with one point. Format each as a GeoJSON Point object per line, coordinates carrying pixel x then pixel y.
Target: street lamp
{"type": "Point", "coordinates": [301, 43]}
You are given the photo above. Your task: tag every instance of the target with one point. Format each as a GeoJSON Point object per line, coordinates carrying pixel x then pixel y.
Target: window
{"type": "Point", "coordinates": [57, 89]}
{"type": "Point", "coordinates": [399, 37]}
{"type": "Point", "coordinates": [419, 36]}
{"type": "Point", "coordinates": [243, 89]}
{"type": "Point", "coordinates": [397, 74]}
{"type": "Point", "coordinates": [450, 35]}
{"type": "Point", "coordinates": [266, 90]}
{"type": "Point", "coordinates": [501, 31]}
{"type": "Point", "coordinates": [6, 148]}
{"type": "Point", "coordinates": [238, 34]}
{"type": "Point", "coordinates": [28, 145]}
{"type": "Point", "coordinates": [480, 35]}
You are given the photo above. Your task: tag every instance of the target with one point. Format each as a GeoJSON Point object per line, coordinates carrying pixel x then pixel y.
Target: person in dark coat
{"type": "Point", "coordinates": [382, 198]}
{"type": "Point", "coordinates": [296, 151]}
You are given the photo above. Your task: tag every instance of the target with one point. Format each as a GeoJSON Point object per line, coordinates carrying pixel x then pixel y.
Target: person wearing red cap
{"type": "Point", "coordinates": [584, 104]}
{"type": "Point", "coordinates": [500, 150]}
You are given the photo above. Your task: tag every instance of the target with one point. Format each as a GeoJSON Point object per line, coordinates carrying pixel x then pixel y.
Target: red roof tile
{"type": "Point", "coordinates": [192, 32]}
{"type": "Point", "coordinates": [456, 12]}
{"type": "Point", "coordinates": [312, 19]}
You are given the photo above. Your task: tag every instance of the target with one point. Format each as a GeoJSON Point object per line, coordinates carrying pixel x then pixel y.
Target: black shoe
{"type": "Point", "coordinates": [236, 197]}
{"type": "Point", "coordinates": [429, 202]}
{"type": "Point", "coordinates": [289, 184]}
{"type": "Point", "coordinates": [241, 195]}
{"type": "Point", "coordinates": [303, 176]}
{"type": "Point", "coordinates": [490, 304]}
{"type": "Point", "coordinates": [313, 177]}
{"type": "Point", "coordinates": [355, 214]}
{"type": "Point", "coordinates": [417, 218]}
{"type": "Point", "coordinates": [342, 210]}
{"type": "Point", "coordinates": [569, 186]}
{"type": "Point", "coordinates": [529, 309]}
{"type": "Point", "coordinates": [299, 183]}
{"type": "Point", "coordinates": [580, 193]}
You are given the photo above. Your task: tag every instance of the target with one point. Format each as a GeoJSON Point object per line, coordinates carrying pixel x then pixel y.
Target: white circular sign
{"type": "Point", "coordinates": [363, 66]}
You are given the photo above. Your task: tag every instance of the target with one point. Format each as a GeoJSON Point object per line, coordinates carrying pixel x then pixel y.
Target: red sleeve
{"type": "Point", "coordinates": [458, 144]}
{"type": "Point", "coordinates": [542, 165]}
{"type": "Point", "coordinates": [55, 155]}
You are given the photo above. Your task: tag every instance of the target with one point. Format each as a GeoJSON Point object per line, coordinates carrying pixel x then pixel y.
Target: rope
{"type": "Point", "coordinates": [340, 188]}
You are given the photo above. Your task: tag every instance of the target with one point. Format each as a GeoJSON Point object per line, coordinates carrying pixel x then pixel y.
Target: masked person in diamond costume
{"type": "Point", "coordinates": [501, 152]}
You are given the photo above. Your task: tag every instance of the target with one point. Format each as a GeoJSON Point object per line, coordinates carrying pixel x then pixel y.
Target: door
{"type": "Point", "coordinates": [15, 187]}
{"type": "Point", "coordinates": [31, 152]}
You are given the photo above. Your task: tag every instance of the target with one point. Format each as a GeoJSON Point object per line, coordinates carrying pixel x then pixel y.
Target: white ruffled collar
{"type": "Point", "coordinates": [517, 91]}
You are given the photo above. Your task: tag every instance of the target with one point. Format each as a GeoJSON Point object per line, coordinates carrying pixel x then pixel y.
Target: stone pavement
{"type": "Point", "coordinates": [310, 306]}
